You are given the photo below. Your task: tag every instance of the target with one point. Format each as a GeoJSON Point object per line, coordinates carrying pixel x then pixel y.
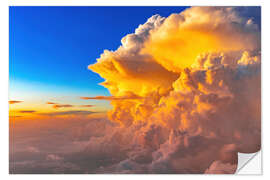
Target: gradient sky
{"type": "Point", "coordinates": [51, 47]}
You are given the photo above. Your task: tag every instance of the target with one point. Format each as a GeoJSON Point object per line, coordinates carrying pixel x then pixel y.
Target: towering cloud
{"type": "Point", "coordinates": [198, 76]}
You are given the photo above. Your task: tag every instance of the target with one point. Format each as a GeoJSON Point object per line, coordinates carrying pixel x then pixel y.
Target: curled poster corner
{"type": "Point", "coordinates": [249, 163]}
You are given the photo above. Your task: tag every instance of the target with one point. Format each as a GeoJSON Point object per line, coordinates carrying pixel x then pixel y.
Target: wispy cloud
{"type": "Point", "coordinates": [15, 116]}
{"type": "Point", "coordinates": [110, 98]}
{"type": "Point", "coordinates": [56, 106]}
{"type": "Point", "coordinates": [27, 111]}
{"type": "Point", "coordinates": [50, 102]}
{"type": "Point", "coordinates": [87, 105]}
{"type": "Point", "coordinates": [61, 113]}
{"type": "Point", "coordinates": [14, 102]}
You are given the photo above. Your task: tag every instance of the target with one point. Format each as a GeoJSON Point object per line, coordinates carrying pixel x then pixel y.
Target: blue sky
{"type": "Point", "coordinates": [51, 47]}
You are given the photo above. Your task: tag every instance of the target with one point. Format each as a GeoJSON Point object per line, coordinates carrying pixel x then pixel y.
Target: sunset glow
{"type": "Point", "coordinates": [172, 90]}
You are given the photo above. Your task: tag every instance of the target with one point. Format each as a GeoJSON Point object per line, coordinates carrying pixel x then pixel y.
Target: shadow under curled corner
{"type": "Point", "coordinates": [249, 164]}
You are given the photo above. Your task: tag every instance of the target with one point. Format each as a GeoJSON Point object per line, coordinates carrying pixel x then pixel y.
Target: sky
{"type": "Point", "coordinates": [51, 47]}
{"type": "Point", "coordinates": [171, 90]}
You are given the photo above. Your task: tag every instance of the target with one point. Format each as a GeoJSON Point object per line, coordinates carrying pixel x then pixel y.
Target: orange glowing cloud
{"type": "Point", "coordinates": [196, 78]}
{"type": "Point", "coordinates": [182, 37]}
{"type": "Point", "coordinates": [86, 105]}
{"type": "Point", "coordinates": [56, 106]}
{"type": "Point", "coordinates": [51, 103]}
{"type": "Point", "coordinates": [110, 98]}
{"type": "Point", "coordinates": [14, 102]}
{"type": "Point", "coordinates": [27, 111]}
{"type": "Point", "coordinates": [67, 113]}
{"type": "Point", "coordinates": [151, 62]}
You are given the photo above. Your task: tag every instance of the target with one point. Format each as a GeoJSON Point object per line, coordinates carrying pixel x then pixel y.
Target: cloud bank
{"type": "Point", "coordinates": [199, 76]}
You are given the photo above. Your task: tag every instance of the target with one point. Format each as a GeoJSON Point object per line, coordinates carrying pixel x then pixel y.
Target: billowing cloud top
{"type": "Point", "coordinates": [198, 73]}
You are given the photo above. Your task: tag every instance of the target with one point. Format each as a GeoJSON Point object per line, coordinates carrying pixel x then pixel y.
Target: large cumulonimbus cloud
{"type": "Point", "coordinates": [198, 76]}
